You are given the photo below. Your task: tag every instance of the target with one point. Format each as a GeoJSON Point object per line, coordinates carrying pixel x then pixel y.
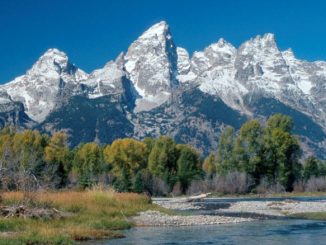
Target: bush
{"type": "Point", "coordinates": [152, 185]}
{"type": "Point", "coordinates": [199, 186]}
{"type": "Point", "coordinates": [138, 185]}
{"type": "Point", "coordinates": [265, 187]}
{"type": "Point", "coordinates": [316, 184]}
{"type": "Point", "coordinates": [177, 190]}
{"type": "Point", "coordinates": [232, 183]}
{"type": "Point", "coordinates": [299, 186]}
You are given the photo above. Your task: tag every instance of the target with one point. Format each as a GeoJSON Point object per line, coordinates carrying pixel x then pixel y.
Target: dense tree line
{"type": "Point", "coordinates": [257, 154]}
{"type": "Point", "coordinates": [269, 154]}
{"type": "Point", "coordinates": [32, 160]}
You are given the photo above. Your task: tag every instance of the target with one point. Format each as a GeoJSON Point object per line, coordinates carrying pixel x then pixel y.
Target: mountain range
{"type": "Point", "coordinates": [157, 88]}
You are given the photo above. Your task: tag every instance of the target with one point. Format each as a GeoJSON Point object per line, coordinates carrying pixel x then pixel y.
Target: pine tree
{"type": "Point", "coordinates": [123, 183]}
{"type": "Point", "coordinates": [138, 183]}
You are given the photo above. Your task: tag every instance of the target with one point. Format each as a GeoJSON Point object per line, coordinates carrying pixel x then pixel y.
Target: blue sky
{"type": "Point", "coordinates": [93, 32]}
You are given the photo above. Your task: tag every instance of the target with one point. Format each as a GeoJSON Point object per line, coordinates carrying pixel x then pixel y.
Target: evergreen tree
{"type": "Point", "coordinates": [58, 158]}
{"type": "Point", "coordinates": [122, 182]}
{"type": "Point", "coordinates": [312, 167]}
{"type": "Point", "coordinates": [138, 183]}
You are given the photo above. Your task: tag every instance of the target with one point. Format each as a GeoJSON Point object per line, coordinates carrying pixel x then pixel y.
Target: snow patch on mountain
{"type": "Point", "coordinates": [153, 68]}
{"type": "Point", "coordinates": [151, 65]}
{"type": "Point", "coordinates": [39, 88]}
{"type": "Point", "coordinates": [107, 80]}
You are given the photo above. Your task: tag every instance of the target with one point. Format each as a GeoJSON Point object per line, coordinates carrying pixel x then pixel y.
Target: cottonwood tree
{"type": "Point", "coordinates": [88, 163]}
{"type": "Point", "coordinates": [126, 157]}
{"type": "Point", "coordinates": [162, 160]}
{"type": "Point", "coordinates": [248, 151]}
{"type": "Point", "coordinates": [59, 160]}
{"type": "Point", "coordinates": [188, 166]}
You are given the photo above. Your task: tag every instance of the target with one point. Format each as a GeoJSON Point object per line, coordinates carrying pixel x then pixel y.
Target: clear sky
{"type": "Point", "coordinates": [94, 31]}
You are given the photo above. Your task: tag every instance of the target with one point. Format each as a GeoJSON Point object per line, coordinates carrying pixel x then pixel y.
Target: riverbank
{"type": "Point", "coordinates": [208, 212]}
{"type": "Point", "coordinates": [156, 218]}
{"type": "Point", "coordinates": [68, 216]}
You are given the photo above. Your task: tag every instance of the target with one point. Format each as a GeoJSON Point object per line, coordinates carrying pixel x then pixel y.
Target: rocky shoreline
{"type": "Point", "coordinates": [200, 213]}
{"type": "Point", "coordinates": [156, 218]}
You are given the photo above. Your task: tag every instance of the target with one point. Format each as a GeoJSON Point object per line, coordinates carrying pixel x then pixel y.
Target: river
{"type": "Point", "coordinates": [269, 231]}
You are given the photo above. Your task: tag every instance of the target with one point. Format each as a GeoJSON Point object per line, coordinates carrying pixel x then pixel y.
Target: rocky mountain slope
{"type": "Point", "coordinates": [157, 88]}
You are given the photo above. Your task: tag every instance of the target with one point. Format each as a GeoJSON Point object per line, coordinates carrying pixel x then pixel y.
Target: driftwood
{"type": "Point", "coordinates": [197, 198]}
{"type": "Point", "coordinates": [23, 211]}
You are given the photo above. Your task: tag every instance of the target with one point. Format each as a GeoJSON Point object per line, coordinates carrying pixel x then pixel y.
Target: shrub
{"type": "Point", "coordinates": [265, 187]}
{"type": "Point", "coordinates": [316, 184]}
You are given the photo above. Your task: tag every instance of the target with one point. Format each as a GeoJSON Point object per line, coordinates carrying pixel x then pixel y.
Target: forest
{"type": "Point", "coordinates": [261, 157]}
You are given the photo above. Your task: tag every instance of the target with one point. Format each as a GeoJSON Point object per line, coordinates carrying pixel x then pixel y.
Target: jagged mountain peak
{"type": "Point", "coordinates": [266, 42]}
{"type": "Point", "coordinates": [183, 61]}
{"type": "Point", "coordinates": [221, 47]}
{"type": "Point", "coordinates": [288, 55]}
{"type": "Point", "coordinates": [54, 52]}
{"type": "Point", "coordinates": [135, 86]}
{"type": "Point", "coordinates": [269, 37]}
{"type": "Point", "coordinates": [159, 29]}
{"type": "Point", "coordinates": [151, 65]}
{"type": "Point", "coordinates": [41, 87]}
{"type": "Point", "coordinates": [53, 59]}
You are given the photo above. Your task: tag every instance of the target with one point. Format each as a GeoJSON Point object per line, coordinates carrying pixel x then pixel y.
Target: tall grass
{"type": "Point", "coordinates": [89, 215]}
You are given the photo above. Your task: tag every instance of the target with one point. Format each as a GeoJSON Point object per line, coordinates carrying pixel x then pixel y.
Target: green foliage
{"type": "Point", "coordinates": [209, 165]}
{"type": "Point", "coordinates": [248, 150]}
{"type": "Point", "coordinates": [188, 167]}
{"type": "Point", "coordinates": [269, 152]}
{"type": "Point", "coordinates": [88, 163]}
{"type": "Point", "coordinates": [280, 121]}
{"type": "Point", "coordinates": [225, 161]}
{"type": "Point", "coordinates": [162, 160]}
{"type": "Point", "coordinates": [21, 158]}
{"type": "Point", "coordinates": [281, 151]}
{"type": "Point", "coordinates": [122, 182]}
{"type": "Point", "coordinates": [138, 186]}
{"type": "Point", "coordinates": [58, 158]}
{"type": "Point", "coordinates": [126, 155]}
{"type": "Point", "coordinates": [313, 168]}
{"type": "Point", "coordinates": [266, 152]}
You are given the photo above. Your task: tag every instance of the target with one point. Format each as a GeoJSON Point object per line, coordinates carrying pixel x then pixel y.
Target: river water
{"type": "Point", "coordinates": [270, 231]}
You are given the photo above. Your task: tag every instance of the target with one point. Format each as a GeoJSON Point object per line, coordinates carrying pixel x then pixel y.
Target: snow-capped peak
{"type": "Point", "coordinates": [53, 60]}
{"type": "Point", "coordinates": [288, 55]}
{"type": "Point", "coordinates": [260, 43]}
{"type": "Point", "coordinates": [54, 53]}
{"type": "Point", "coordinates": [151, 65]}
{"type": "Point", "coordinates": [217, 54]}
{"type": "Point", "coordinates": [157, 30]}
{"type": "Point", "coordinates": [39, 88]}
{"type": "Point", "coordinates": [221, 48]}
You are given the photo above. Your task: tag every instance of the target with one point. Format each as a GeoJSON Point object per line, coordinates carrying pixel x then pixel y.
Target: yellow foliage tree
{"type": "Point", "coordinates": [126, 154]}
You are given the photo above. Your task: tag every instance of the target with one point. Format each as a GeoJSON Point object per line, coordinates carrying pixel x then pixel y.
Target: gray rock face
{"type": "Point", "coordinates": [151, 64]}
{"type": "Point", "coordinates": [158, 88]}
{"type": "Point", "coordinates": [39, 88]}
{"type": "Point", "coordinates": [12, 113]}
